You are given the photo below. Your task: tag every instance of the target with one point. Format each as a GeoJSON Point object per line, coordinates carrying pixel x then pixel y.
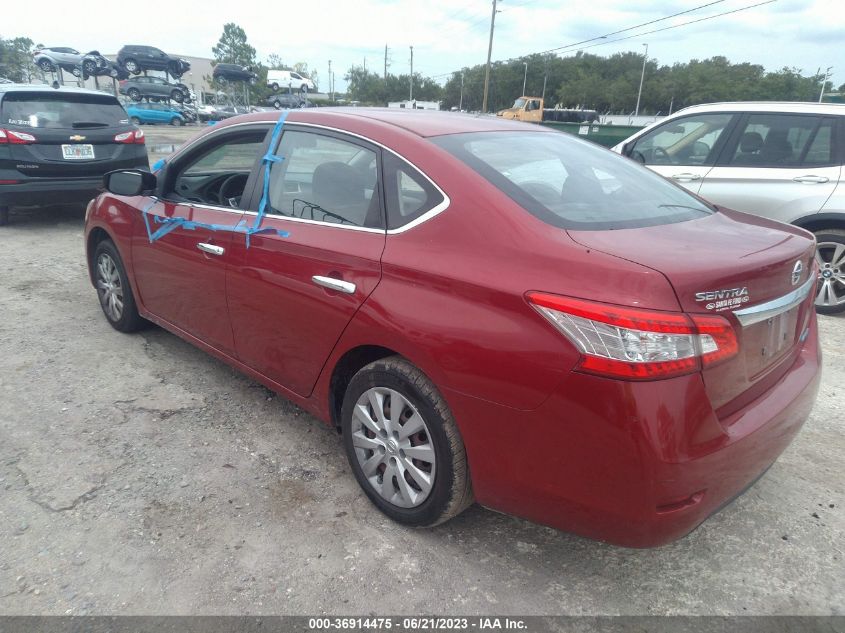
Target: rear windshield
{"type": "Point", "coordinates": [61, 110]}
{"type": "Point", "coordinates": [573, 184]}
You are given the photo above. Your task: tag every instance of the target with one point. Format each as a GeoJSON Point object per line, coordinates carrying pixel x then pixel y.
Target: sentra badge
{"type": "Point", "coordinates": [723, 299]}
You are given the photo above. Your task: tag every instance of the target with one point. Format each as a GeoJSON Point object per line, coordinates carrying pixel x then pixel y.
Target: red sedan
{"type": "Point", "coordinates": [488, 310]}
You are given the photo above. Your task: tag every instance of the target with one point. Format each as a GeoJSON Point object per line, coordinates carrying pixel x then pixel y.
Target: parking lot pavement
{"type": "Point", "coordinates": [140, 476]}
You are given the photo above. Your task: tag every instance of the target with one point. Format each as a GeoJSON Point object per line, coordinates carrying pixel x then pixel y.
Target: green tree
{"type": "Point", "coordinates": [233, 48]}
{"type": "Point", "coordinates": [16, 59]}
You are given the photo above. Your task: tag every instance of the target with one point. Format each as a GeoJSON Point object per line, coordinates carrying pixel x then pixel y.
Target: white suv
{"type": "Point", "coordinates": [277, 79]}
{"type": "Point", "coordinates": [779, 160]}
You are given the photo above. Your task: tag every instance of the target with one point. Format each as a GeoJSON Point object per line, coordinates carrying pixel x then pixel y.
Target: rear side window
{"type": "Point", "coordinates": [409, 193]}
{"type": "Point", "coordinates": [325, 179]}
{"type": "Point", "coordinates": [61, 110]}
{"type": "Point", "coordinates": [784, 140]}
{"type": "Point", "coordinates": [573, 184]}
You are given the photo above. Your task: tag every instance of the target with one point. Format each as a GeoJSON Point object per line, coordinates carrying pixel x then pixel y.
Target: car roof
{"type": "Point", "coordinates": [424, 123]}
{"type": "Point", "coordinates": [4, 88]}
{"type": "Point", "coordinates": [791, 107]}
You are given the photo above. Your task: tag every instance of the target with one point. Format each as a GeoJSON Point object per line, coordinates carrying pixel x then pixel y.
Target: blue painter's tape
{"type": "Point", "coordinates": [169, 224]}
{"type": "Point", "coordinates": [158, 165]}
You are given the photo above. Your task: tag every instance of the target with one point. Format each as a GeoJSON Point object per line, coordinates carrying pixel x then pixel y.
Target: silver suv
{"type": "Point", "coordinates": [779, 160]}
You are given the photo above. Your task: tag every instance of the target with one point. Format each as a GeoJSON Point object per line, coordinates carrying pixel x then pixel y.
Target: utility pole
{"type": "Point", "coordinates": [330, 80]}
{"type": "Point", "coordinates": [642, 76]}
{"type": "Point", "coordinates": [545, 77]}
{"type": "Point", "coordinates": [824, 82]}
{"type": "Point", "coordinates": [524, 78]}
{"type": "Point", "coordinates": [411, 98]}
{"type": "Point", "coordinates": [385, 62]}
{"type": "Point", "coordinates": [489, 54]}
{"type": "Point", "coordinates": [461, 101]}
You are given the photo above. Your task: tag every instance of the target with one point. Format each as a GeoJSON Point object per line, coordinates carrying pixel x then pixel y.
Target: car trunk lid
{"type": "Point", "coordinates": [755, 273]}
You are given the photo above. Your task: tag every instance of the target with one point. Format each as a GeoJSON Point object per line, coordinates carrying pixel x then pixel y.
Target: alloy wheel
{"type": "Point", "coordinates": [830, 257]}
{"type": "Point", "coordinates": [109, 287]}
{"type": "Point", "coordinates": [394, 447]}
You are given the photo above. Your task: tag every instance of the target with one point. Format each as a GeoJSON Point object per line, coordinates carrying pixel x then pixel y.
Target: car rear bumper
{"type": "Point", "coordinates": [50, 191]}
{"type": "Point", "coordinates": [634, 464]}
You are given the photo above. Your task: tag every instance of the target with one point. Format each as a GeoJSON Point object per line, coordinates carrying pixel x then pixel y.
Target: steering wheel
{"type": "Point", "coordinates": [232, 189]}
{"type": "Point", "coordinates": [658, 153]}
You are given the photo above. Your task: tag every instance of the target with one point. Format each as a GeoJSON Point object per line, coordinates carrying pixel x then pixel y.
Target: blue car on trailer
{"type": "Point", "coordinates": [154, 113]}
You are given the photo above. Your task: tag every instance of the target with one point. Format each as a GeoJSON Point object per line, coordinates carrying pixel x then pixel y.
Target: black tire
{"type": "Point", "coordinates": [304, 88]}
{"type": "Point", "coordinates": [132, 66]}
{"type": "Point", "coordinates": [46, 66]}
{"type": "Point", "coordinates": [451, 491]}
{"type": "Point", "coordinates": [832, 237]}
{"type": "Point", "coordinates": [135, 120]}
{"type": "Point", "coordinates": [134, 94]}
{"type": "Point", "coordinates": [76, 72]}
{"type": "Point", "coordinates": [89, 67]}
{"type": "Point", "coordinates": [274, 86]}
{"type": "Point", "coordinates": [129, 319]}
{"type": "Point", "coordinates": [4, 216]}
{"type": "Point", "coordinates": [178, 96]}
{"type": "Point", "coordinates": [177, 121]}
{"type": "Point", "coordinates": [277, 104]}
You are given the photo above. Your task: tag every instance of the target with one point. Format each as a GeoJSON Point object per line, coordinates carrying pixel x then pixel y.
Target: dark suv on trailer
{"type": "Point", "coordinates": [135, 58]}
{"type": "Point", "coordinates": [56, 144]}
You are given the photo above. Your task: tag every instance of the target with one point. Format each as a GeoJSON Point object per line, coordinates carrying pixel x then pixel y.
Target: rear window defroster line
{"type": "Point", "coordinates": [169, 224]}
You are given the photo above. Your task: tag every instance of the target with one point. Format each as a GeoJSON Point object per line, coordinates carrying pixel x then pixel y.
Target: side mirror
{"type": "Point", "coordinates": [129, 182]}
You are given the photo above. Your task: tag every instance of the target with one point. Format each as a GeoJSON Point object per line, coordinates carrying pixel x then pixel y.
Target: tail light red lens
{"type": "Point", "coordinates": [637, 344]}
{"type": "Point", "coordinates": [134, 136]}
{"type": "Point", "coordinates": [16, 138]}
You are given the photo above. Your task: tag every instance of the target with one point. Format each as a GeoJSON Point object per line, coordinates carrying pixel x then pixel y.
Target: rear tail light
{"type": "Point", "coordinates": [134, 136]}
{"type": "Point", "coordinates": [637, 344]}
{"type": "Point", "coordinates": [16, 138]}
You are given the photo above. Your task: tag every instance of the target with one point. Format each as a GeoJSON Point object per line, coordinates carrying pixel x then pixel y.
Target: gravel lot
{"type": "Point", "coordinates": [140, 476]}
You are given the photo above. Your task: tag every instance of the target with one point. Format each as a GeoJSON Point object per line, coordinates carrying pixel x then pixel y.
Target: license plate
{"type": "Point", "coordinates": [78, 152]}
{"type": "Point", "coordinates": [781, 333]}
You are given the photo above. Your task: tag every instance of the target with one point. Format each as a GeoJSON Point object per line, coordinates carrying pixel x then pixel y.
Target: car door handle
{"type": "Point", "coordinates": [811, 179]}
{"type": "Point", "coordinates": [686, 177]}
{"type": "Point", "coordinates": [211, 249]}
{"type": "Point", "coordinates": [334, 284]}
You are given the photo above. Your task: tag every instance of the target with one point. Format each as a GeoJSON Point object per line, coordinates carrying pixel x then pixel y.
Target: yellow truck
{"type": "Point", "coordinates": [582, 123]}
{"type": "Point", "coordinates": [531, 110]}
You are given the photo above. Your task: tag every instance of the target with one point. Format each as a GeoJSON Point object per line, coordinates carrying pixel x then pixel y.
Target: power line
{"type": "Point", "coordinates": [677, 26]}
{"type": "Point", "coordinates": [621, 39]}
{"type": "Point", "coordinates": [631, 28]}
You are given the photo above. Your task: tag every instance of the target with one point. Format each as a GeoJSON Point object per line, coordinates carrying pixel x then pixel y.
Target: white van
{"type": "Point", "coordinates": [283, 79]}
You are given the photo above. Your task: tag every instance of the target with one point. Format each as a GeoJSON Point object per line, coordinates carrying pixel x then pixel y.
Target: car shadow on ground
{"type": "Point", "coordinates": [34, 217]}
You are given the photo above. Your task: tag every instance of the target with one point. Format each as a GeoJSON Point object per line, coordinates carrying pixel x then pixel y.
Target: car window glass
{"type": "Point", "coordinates": [573, 184]}
{"type": "Point", "coordinates": [780, 140]}
{"type": "Point", "coordinates": [820, 151]}
{"type": "Point", "coordinates": [685, 141]}
{"type": "Point", "coordinates": [409, 193]}
{"type": "Point", "coordinates": [325, 179]}
{"type": "Point", "coordinates": [203, 177]}
{"type": "Point", "coordinates": [59, 110]}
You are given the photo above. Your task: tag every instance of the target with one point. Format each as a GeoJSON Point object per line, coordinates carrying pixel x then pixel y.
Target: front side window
{"type": "Point", "coordinates": [784, 140]}
{"type": "Point", "coordinates": [684, 141]}
{"type": "Point", "coordinates": [573, 184]}
{"type": "Point", "coordinates": [217, 174]}
{"type": "Point", "coordinates": [326, 179]}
